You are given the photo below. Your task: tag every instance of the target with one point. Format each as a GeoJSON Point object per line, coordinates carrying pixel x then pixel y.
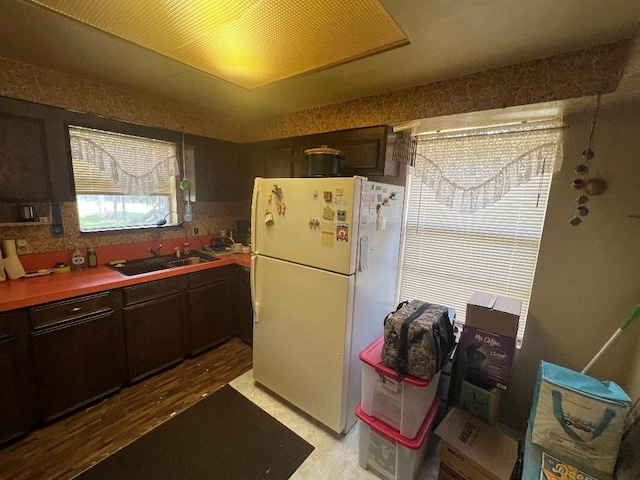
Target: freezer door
{"type": "Point", "coordinates": [310, 221]}
{"type": "Point", "coordinates": [301, 336]}
{"type": "Point", "coordinates": [376, 275]}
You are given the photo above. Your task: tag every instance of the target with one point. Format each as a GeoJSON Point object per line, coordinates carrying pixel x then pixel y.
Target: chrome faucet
{"type": "Point", "coordinates": [155, 253]}
{"type": "Point", "coordinates": [163, 221]}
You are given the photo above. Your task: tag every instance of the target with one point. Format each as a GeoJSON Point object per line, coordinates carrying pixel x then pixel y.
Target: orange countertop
{"type": "Point", "coordinates": [26, 292]}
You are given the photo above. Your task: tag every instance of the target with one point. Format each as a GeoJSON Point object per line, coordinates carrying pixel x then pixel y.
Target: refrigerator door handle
{"type": "Point", "coordinates": [254, 213]}
{"type": "Point", "coordinates": [252, 284]}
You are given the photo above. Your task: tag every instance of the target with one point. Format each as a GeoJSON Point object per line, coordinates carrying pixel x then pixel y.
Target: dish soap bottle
{"type": "Point", "coordinates": [77, 260]}
{"type": "Point", "coordinates": [92, 257]}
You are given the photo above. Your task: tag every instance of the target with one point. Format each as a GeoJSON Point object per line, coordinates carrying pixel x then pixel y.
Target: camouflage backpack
{"type": "Point", "coordinates": [418, 337]}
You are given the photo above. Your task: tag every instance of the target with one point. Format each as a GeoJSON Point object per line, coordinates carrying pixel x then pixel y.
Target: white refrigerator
{"type": "Point", "coordinates": [323, 277]}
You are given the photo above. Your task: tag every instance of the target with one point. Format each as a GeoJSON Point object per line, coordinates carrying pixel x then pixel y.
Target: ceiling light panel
{"type": "Point", "coordinates": [246, 42]}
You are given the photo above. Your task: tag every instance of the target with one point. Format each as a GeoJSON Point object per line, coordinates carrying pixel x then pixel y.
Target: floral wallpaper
{"type": "Point", "coordinates": [570, 75]}
{"type": "Point", "coordinates": [48, 87]}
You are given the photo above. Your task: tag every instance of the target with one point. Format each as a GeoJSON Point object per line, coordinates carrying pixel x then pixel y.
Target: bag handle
{"type": "Point", "coordinates": [400, 305]}
{"type": "Point", "coordinates": [403, 352]}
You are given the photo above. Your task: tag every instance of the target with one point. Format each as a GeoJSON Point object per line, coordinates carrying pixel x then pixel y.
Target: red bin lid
{"type": "Point", "coordinates": [372, 355]}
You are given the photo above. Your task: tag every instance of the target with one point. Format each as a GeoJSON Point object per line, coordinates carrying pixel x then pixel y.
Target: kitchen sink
{"type": "Point", "coordinates": [153, 264]}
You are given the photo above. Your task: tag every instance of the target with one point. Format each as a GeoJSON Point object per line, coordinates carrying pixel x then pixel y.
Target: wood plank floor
{"type": "Point", "coordinates": [67, 447]}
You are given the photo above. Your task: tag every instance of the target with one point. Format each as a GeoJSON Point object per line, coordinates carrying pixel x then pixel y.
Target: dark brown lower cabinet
{"type": "Point", "coordinates": [209, 297]}
{"type": "Point", "coordinates": [60, 356]}
{"type": "Point", "coordinates": [154, 321]}
{"type": "Point", "coordinates": [244, 324]}
{"type": "Point", "coordinates": [78, 352]}
{"type": "Point", "coordinates": [17, 390]}
{"type": "Point", "coordinates": [13, 418]}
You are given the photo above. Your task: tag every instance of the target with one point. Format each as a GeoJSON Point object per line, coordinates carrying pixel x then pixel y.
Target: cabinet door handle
{"type": "Point", "coordinates": [75, 309]}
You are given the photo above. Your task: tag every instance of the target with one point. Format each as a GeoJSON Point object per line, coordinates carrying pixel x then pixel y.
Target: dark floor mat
{"type": "Point", "coordinates": [225, 436]}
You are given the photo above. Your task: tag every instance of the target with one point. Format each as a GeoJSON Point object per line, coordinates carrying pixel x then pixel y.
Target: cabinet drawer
{"type": "Point", "coordinates": [150, 290]}
{"type": "Point", "coordinates": [53, 313]}
{"type": "Point", "coordinates": [207, 277]}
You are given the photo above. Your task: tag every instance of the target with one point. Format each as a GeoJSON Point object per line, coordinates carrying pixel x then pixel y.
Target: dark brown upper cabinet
{"type": "Point", "coordinates": [35, 157]}
{"type": "Point", "coordinates": [34, 160]}
{"type": "Point", "coordinates": [365, 150]}
{"type": "Point", "coordinates": [216, 169]}
{"type": "Point", "coordinates": [23, 162]}
{"type": "Point", "coordinates": [251, 164]}
{"type": "Point", "coordinates": [279, 163]}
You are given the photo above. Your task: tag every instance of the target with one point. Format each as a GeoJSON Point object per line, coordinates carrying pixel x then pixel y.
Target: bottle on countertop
{"type": "Point", "coordinates": [186, 249]}
{"type": "Point", "coordinates": [92, 257]}
{"type": "Point", "coordinates": [77, 260]}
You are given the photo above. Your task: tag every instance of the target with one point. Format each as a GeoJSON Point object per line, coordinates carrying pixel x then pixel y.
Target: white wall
{"type": "Point", "coordinates": [588, 277]}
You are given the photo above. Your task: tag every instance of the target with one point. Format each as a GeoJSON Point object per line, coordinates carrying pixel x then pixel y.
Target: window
{"type": "Point", "coordinates": [476, 202]}
{"type": "Point", "coordinates": [122, 181]}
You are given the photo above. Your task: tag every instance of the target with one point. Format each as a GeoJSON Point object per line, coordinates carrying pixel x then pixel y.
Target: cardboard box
{"type": "Point", "coordinates": [445, 473]}
{"type": "Point", "coordinates": [480, 402]}
{"type": "Point", "coordinates": [488, 341]}
{"type": "Point", "coordinates": [494, 313]}
{"type": "Point", "coordinates": [474, 450]}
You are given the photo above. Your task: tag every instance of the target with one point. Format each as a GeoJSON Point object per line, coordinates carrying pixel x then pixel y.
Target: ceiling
{"type": "Point", "coordinates": [446, 40]}
{"type": "Point", "coordinates": [249, 43]}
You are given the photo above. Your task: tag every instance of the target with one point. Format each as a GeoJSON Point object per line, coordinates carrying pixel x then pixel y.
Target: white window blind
{"type": "Point", "coordinates": [114, 163]}
{"type": "Point", "coordinates": [123, 181]}
{"type": "Point", "coordinates": [475, 211]}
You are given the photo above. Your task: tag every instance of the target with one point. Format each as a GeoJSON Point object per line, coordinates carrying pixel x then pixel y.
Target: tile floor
{"type": "Point", "coordinates": [335, 456]}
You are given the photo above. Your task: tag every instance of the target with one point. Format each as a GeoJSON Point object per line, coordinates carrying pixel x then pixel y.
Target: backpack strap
{"type": "Point", "coordinates": [403, 351]}
{"type": "Point", "coordinates": [400, 305]}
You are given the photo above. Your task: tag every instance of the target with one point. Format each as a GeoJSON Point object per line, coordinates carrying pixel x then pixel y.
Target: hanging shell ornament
{"type": "Point", "coordinates": [581, 169]}
{"type": "Point", "coordinates": [588, 154]}
{"type": "Point", "coordinates": [595, 186]}
{"type": "Point", "coordinates": [586, 186]}
{"type": "Point", "coordinates": [582, 199]}
{"type": "Point", "coordinates": [577, 184]}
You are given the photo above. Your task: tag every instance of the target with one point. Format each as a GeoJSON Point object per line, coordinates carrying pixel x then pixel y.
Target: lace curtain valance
{"type": "Point", "coordinates": [474, 169]}
{"type": "Point", "coordinates": [135, 165]}
{"type": "Point", "coordinates": [404, 148]}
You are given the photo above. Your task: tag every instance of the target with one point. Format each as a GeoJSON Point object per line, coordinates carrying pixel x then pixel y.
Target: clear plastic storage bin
{"type": "Point", "coordinates": [402, 404]}
{"type": "Point", "coordinates": [391, 456]}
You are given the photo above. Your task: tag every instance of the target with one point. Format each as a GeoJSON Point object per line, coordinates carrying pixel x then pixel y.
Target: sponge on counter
{"type": "Point", "coordinates": [61, 268]}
